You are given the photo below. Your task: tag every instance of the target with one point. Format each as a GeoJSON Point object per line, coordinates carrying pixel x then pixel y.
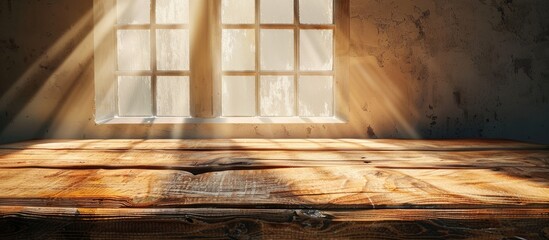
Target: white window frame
{"type": "Point", "coordinates": [205, 66]}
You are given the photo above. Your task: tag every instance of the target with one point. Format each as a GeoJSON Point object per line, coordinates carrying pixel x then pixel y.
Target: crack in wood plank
{"type": "Point", "coordinates": [282, 188]}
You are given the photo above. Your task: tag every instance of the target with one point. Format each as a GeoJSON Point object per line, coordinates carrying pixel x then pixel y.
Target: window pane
{"type": "Point", "coordinates": [172, 11]}
{"type": "Point", "coordinates": [238, 49]}
{"type": "Point", "coordinates": [238, 11]}
{"type": "Point", "coordinates": [316, 98]}
{"type": "Point", "coordinates": [277, 96]}
{"type": "Point", "coordinates": [238, 95]}
{"type": "Point", "coordinates": [277, 11]}
{"type": "Point", "coordinates": [316, 11]}
{"type": "Point", "coordinates": [172, 96]}
{"type": "Point", "coordinates": [133, 11]}
{"type": "Point", "coordinates": [172, 49]}
{"type": "Point", "coordinates": [133, 50]}
{"type": "Point", "coordinates": [134, 96]}
{"type": "Point", "coordinates": [277, 50]}
{"type": "Point", "coordinates": [316, 50]}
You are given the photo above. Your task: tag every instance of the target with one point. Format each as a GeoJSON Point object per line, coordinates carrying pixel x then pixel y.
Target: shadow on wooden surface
{"type": "Point", "coordinates": [274, 189]}
{"type": "Point", "coordinates": [276, 224]}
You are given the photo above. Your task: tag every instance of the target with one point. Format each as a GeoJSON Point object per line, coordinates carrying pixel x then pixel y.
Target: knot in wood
{"type": "Point", "coordinates": [312, 219]}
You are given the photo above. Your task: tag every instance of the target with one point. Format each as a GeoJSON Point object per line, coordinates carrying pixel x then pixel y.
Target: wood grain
{"type": "Point", "coordinates": [72, 223]}
{"type": "Point", "coordinates": [321, 188]}
{"type": "Point", "coordinates": [274, 189]}
{"type": "Point", "coordinates": [279, 144]}
{"type": "Point", "coordinates": [239, 159]}
{"type": "Point", "coordinates": [274, 215]}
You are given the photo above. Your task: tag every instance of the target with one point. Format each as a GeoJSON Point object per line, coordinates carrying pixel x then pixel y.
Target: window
{"type": "Point", "coordinates": [243, 61]}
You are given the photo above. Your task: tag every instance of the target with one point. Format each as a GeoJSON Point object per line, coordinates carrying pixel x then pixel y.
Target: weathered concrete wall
{"type": "Point", "coordinates": [425, 68]}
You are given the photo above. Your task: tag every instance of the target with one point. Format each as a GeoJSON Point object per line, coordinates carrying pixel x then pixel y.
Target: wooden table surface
{"type": "Point", "coordinates": [274, 189]}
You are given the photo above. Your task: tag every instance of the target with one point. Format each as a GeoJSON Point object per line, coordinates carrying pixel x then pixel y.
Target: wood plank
{"type": "Point", "coordinates": [278, 215]}
{"type": "Point", "coordinates": [532, 164]}
{"type": "Point", "coordinates": [343, 187]}
{"type": "Point", "coordinates": [249, 228]}
{"type": "Point", "coordinates": [283, 189]}
{"type": "Point", "coordinates": [73, 223]}
{"type": "Point", "coordinates": [175, 158]}
{"type": "Point", "coordinates": [279, 144]}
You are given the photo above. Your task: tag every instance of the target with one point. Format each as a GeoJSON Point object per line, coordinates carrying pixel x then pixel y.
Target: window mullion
{"type": "Point", "coordinates": [153, 56]}
{"type": "Point", "coordinates": [215, 34]}
{"type": "Point", "coordinates": [296, 57]}
{"type": "Point", "coordinates": [257, 58]}
{"type": "Point", "coordinates": [202, 57]}
{"type": "Point", "coordinates": [341, 63]}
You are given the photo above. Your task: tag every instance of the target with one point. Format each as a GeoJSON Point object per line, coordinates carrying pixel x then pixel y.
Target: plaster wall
{"type": "Point", "coordinates": [419, 69]}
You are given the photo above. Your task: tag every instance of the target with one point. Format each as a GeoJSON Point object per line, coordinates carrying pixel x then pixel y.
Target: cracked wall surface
{"type": "Point", "coordinates": [419, 69]}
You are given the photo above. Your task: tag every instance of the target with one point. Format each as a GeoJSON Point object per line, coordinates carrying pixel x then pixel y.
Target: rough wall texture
{"type": "Point", "coordinates": [425, 68]}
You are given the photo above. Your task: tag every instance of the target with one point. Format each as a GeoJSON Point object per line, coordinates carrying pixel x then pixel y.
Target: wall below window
{"type": "Point", "coordinates": [419, 69]}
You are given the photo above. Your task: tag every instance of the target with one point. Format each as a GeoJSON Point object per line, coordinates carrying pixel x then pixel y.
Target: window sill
{"type": "Point", "coordinates": [221, 120]}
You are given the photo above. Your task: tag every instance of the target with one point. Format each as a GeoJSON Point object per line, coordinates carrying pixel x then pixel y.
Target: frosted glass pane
{"type": "Point", "coordinates": [238, 96]}
{"type": "Point", "coordinates": [277, 50]}
{"type": "Point", "coordinates": [238, 11]}
{"type": "Point", "coordinates": [172, 51]}
{"type": "Point", "coordinates": [133, 11]}
{"type": "Point", "coordinates": [134, 96]}
{"type": "Point", "coordinates": [277, 11]}
{"type": "Point", "coordinates": [316, 11]}
{"type": "Point", "coordinates": [238, 49]}
{"type": "Point", "coordinates": [172, 98]}
{"type": "Point", "coordinates": [172, 11]}
{"type": "Point", "coordinates": [316, 50]}
{"type": "Point", "coordinates": [277, 96]}
{"type": "Point", "coordinates": [316, 98]}
{"type": "Point", "coordinates": [134, 50]}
